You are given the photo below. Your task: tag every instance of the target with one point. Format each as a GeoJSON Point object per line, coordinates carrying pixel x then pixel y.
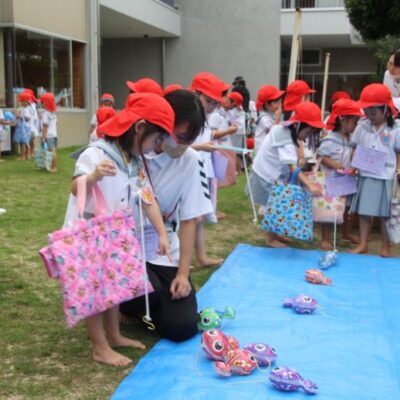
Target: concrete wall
{"type": "Point", "coordinates": [228, 38]}
{"type": "Point", "coordinates": [73, 128]}
{"type": "Point", "coordinates": [128, 59]}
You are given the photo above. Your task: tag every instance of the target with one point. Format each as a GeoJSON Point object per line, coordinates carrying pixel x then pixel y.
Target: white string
{"type": "Point", "coordinates": [249, 188]}
{"type": "Point", "coordinates": [147, 317]}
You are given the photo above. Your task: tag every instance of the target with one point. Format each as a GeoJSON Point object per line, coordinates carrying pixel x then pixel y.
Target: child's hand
{"type": "Point", "coordinates": [314, 190]}
{"type": "Point", "coordinates": [233, 128]}
{"type": "Point", "coordinates": [164, 247]}
{"type": "Point", "coordinates": [104, 168]}
{"type": "Point", "coordinates": [302, 162]}
{"type": "Point", "coordinates": [208, 146]}
{"type": "Point", "coordinates": [397, 171]}
{"type": "Point", "coordinates": [180, 287]}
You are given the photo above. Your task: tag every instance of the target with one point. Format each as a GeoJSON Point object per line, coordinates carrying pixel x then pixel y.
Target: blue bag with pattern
{"type": "Point", "coordinates": [289, 210]}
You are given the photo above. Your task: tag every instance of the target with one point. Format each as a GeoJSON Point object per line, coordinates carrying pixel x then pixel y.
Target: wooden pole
{"type": "Point", "coordinates": [295, 46]}
{"type": "Point", "coordinates": [325, 87]}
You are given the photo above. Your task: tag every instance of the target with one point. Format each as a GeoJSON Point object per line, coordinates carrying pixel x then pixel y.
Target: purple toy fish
{"type": "Point", "coordinates": [289, 380]}
{"type": "Point", "coordinates": [264, 353]}
{"type": "Point", "coordinates": [302, 304]}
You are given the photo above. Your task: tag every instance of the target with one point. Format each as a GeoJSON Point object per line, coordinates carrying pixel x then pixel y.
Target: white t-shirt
{"type": "Point", "coordinates": [238, 117]}
{"type": "Point", "coordinates": [263, 124]}
{"type": "Point", "coordinates": [218, 121]}
{"type": "Point", "coordinates": [181, 189]}
{"type": "Point", "coordinates": [205, 156]}
{"type": "Point", "coordinates": [392, 84]}
{"type": "Point", "coordinates": [34, 120]}
{"type": "Point", "coordinates": [336, 147]}
{"type": "Point", "coordinates": [271, 162]}
{"type": "Point", "coordinates": [50, 120]}
{"type": "Point", "coordinates": [120, 191]}
{"type": "Point", "coordinates": [93, 121]}
{"type": "Point", "coordinates": [385, 139]}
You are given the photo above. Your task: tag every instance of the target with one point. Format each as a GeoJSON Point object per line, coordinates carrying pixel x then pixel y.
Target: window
{"type": "Point", "coordinates": [44, 63]}
{"type": "Point", "coordinates": [310, 57]}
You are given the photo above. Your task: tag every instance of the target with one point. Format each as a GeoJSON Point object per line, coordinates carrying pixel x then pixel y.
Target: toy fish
{"type": "Point", "coordinates": [216, 344]}
{"type": "Point", "coordinates": [264, 354]}
{"type": "Point", "coordinates": [302, 304]}
{"type": "Point", "coordinates": [289, 380]}
{"type": "Point", "coordinates": [209, 318]}
{"type": "Point", "coordinates": [317, 277]}
{"type": "Point", "coordinates": [238, 362]}
{"type": "Point", "coordinates": [328, 259]}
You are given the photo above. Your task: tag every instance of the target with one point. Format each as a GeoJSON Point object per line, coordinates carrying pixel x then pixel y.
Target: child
{"type": "Point", "coordinates": [377, 132]}
{"type": "Point", "coordinates": [269, 105]}
{"type": "Point", "coordinates": [335, 153]}
{"type": "Point", "coordinates": [102, 115]}
{"type": "Point", "coordinates": [106, 100]}
{"type": "Point", "coordinates": [113, 164]}
{"type": "Point", "coordinates": [209, 89]}
{"type": "Point", "coordinates": [4, 126]}
{"type": "Point", "coordinates": [49, 126]}
{"type": "Point", "coordinates": [177, 179]}
{"type": "Point", "coordinates": [22, 135]}
{"type": "Point", "coordinates": [278, 155]}
{"type": "Point", "coordinates": [33, 122]}
{"type": "Point", "coordinates": [334, 98]}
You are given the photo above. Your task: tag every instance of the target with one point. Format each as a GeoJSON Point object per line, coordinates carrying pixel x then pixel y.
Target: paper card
{"type": "Point", "coordinates": [150, 240]}
{"type": "Point", "coordinates": [369, 160]}
{"type": "Point", "coordinates": [342, 185]}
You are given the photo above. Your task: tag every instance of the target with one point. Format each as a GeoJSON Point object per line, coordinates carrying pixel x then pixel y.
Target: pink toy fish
{"type": "Point", "coordinates": [317, 277]}
{"type": "Point", "coordinates": [216, 344]}
{"type": "Point", "coordinates": [238, 362]}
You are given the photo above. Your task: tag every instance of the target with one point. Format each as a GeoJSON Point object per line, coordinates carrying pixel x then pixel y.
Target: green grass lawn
{"type": "Point", "coordinates": [41, 358]}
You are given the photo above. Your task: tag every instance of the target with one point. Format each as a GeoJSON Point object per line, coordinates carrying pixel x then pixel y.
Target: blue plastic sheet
{"type": "Point", "coordinates": [350, 347]}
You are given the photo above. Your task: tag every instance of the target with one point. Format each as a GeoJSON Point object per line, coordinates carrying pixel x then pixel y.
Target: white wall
{"type": "Point", "coordinates": [228, 38]}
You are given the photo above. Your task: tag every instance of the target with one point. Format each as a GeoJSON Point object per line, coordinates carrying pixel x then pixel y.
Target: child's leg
{"type": "Point", "coordinates": [346, 228]}
{"type": "Point", "coordinates": [54, 161]}
{"type": "Point", "coordinates": [27, 151]}
{"type": "Point", "coordinates": [31, 147]}
{"type": "Point", "coordinates": [202, 260]}
{"type": "Point", "coordinates": [1, 147]}
{"type": "Point", "coordinates": [274, 240]}
{"type": "Point", "coordinates": [20, 151]}
{"type": "Point", "coordinates": [113, 332]}
{"type": "Point", "coordinates": [102, 352]}
{"type": "Point", "coordinates": [385, 249]}
{"type": "Point", "coordinates": [326, 243]}
{"type": "Point", "coordinates": [365, 228]}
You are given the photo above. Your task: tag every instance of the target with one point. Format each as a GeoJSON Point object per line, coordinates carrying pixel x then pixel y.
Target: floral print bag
{"type": "Point", "coordinates": [289, 210]}
{"type": "Point", "coordinates": [97, 261]}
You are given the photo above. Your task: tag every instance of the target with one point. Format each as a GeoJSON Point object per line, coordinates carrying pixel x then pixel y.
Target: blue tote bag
{"type": "Point", "coordinates": [289, 210]}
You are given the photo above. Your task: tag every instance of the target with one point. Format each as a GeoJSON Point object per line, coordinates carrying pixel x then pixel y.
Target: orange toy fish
{"type": "Point", "coordinates": [317, 277]}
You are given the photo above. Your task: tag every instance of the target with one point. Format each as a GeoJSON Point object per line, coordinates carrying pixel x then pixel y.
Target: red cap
{"type": "Point", "coordinates": [208, 84]}
{"type": "Point", "coordinates": [31, 94]}
{"type": "Point", "coordinates": [145, 85]}
{"type": "Point", "coordinates": [25, 96]}
{"type": "Point", "coordinates": [102, 115]}
{"type": "Point", "coordinates": [376, 94]}
{"type": "Point", "coordinates": [267, 93]}
{"type": "Point", "coordinates": [294, 92]}
{"type": "Point", "coordinates": [148, 106]}
{"type": "Point", "coordinates": [107, 97]}
{"type": "Point", "coordinates": [309, 113]}
{"type": "Point", "coordinates": [339, 95]}
{"type": "Point", "coordinates": [343, 107]}
{"type": "Point", "coordinates": [49, 102]}
{"type": "Point", "coordinates": [171, 88]}
{"type": "Point", "coordinates": [237, 98]}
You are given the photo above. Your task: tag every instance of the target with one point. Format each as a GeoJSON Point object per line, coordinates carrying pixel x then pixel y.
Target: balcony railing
{"type": "Point", "coordinates": [291, 4]}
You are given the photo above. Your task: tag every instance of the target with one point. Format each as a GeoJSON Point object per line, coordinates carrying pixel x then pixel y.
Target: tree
{"type": "Point", "coordinates": [374, 19]}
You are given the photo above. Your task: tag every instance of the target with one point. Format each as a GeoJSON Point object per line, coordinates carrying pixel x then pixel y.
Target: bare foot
{"type": "Point", "coordinates": [220, 215]}
{"type": "Point", "coordinates": [209, 262]}
{"type": "Point", "coordinates": [385, 252]}
{"type": "Point", "coordinates": [359, 250]}
{"type": "Point", "coordinates": [351, 238]}
{"type": "Point", "coordinates": [122, 341]}
{"type": "Point", "coordinates": [326, 245]}
{"type": "Point", "coordinates": [285, 239]}
{"type": "Point", "coordinates": [275, 243]}
{"type": "Point", "coordinates": [108, 356]}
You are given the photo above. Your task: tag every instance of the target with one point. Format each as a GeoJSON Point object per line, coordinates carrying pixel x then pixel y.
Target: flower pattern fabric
{"type": "Point", "coordinates": [98, 262]}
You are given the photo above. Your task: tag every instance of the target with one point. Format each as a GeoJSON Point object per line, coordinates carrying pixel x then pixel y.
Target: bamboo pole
{"type": "Point", "coordinates": [295, 46]}
{"type": "Point", "coordinates": [325, 87]}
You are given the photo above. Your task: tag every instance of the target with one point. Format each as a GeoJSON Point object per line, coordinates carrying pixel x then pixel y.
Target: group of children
{"type": "Point", "coordinates": [301, 139]}
{"type": "Point", "coordinates": [159, 149]}
{"type": "Point", "coordinates": [34, 126]}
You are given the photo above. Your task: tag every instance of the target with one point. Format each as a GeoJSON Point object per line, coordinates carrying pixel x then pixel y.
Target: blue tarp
{"type": "Point", "coordinates": [350, 347]}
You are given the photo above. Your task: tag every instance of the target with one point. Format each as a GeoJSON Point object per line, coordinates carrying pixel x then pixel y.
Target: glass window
{"type": "Point", "coordinates": [61, 72]}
